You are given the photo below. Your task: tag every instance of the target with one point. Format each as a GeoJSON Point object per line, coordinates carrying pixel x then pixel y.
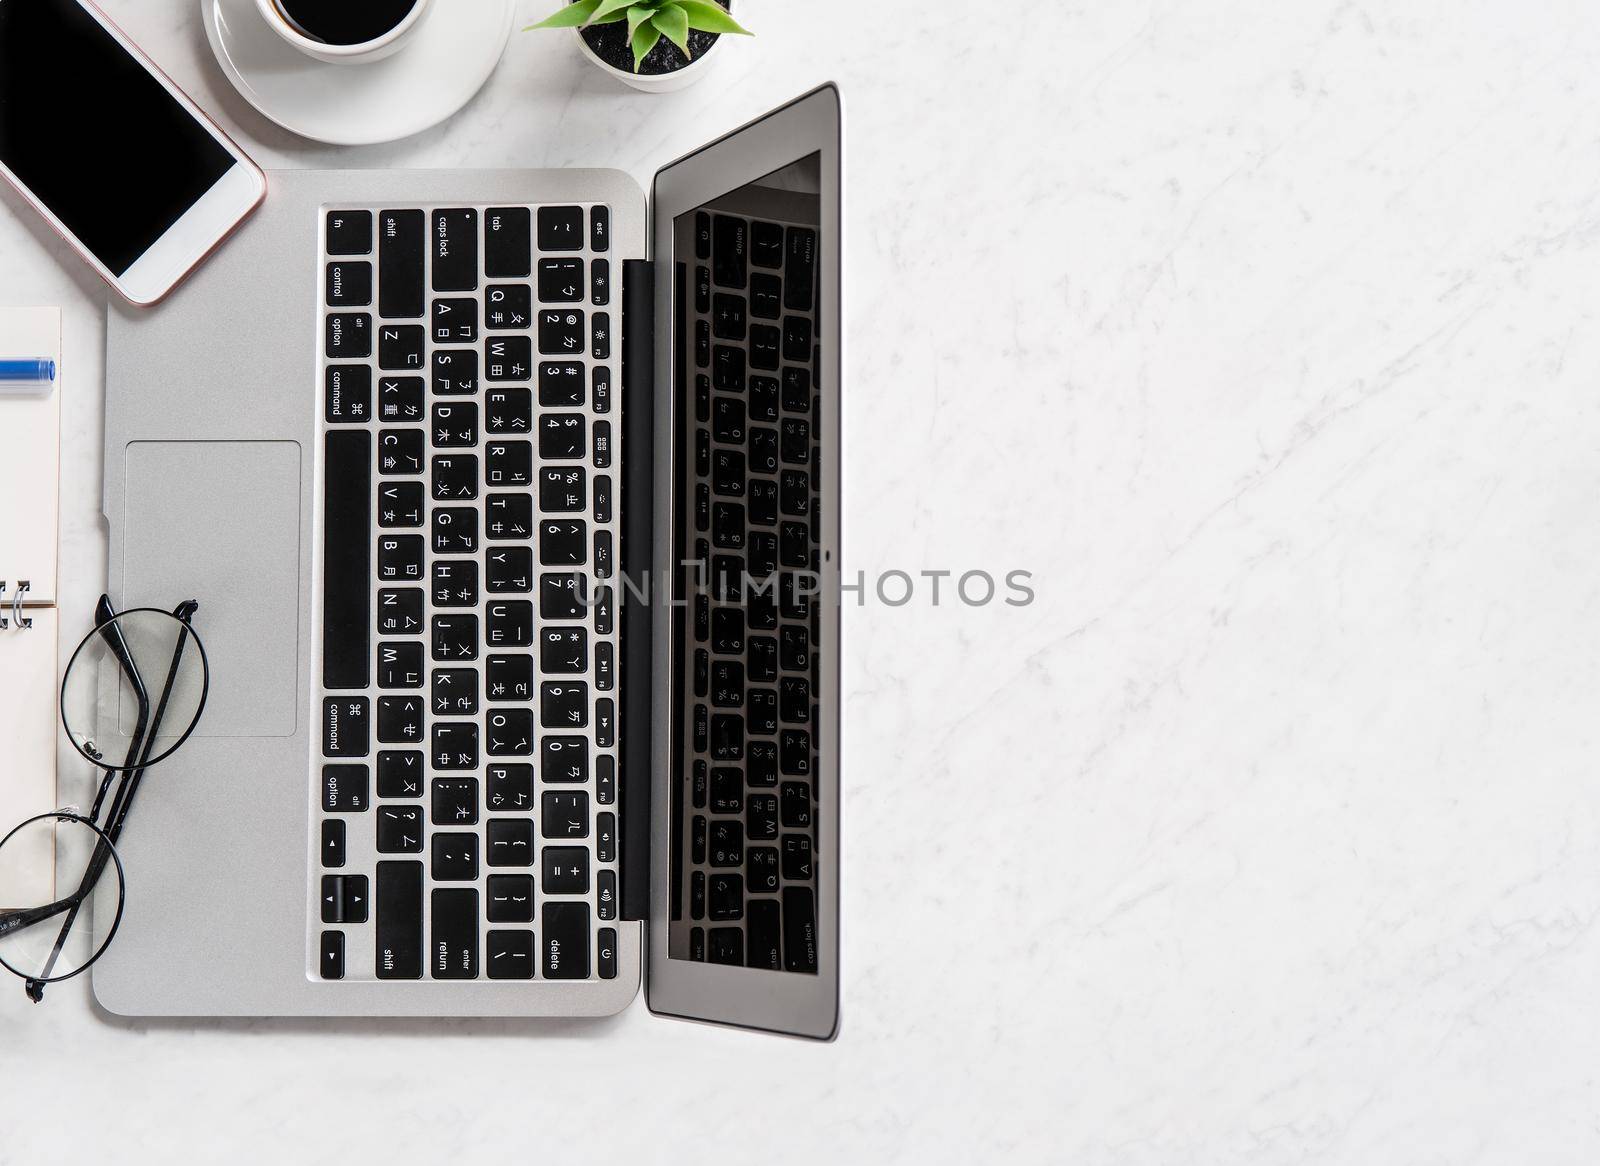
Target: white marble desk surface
{"type": "Point", "coordinates": [1264, 335]}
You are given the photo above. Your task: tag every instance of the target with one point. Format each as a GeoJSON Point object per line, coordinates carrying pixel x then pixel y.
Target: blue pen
{"type": "Point", "coordinates": [33, 372]}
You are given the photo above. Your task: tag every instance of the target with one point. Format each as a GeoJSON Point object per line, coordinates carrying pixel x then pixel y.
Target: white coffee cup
{"type": "Point", "coordinates": [355, 54]}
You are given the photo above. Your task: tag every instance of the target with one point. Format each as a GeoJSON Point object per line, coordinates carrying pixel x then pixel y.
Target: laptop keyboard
{"type": "Point", "coordinates": [465, 816]}
{"type": "Point", "coordinates": [747, 866]}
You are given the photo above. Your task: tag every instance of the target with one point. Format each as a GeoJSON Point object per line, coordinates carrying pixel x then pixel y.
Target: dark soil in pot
{"type": "Point", "coordinates": [610, 44]}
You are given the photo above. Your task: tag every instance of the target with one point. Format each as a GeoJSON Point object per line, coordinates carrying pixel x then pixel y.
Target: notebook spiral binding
{"type": "Point", "coordinates": [17, 617]}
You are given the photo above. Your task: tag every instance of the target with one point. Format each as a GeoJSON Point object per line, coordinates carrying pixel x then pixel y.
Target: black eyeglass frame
{"type": "Point", "coordinates": [147, 726]}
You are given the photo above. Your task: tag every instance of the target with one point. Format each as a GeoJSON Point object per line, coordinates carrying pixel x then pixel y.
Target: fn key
{"type": "Point", "coordinates": [564, 946]}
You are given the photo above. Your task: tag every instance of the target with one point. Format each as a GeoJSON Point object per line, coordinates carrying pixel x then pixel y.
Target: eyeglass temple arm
{"type": "Point", "coordinates": [16, 920]}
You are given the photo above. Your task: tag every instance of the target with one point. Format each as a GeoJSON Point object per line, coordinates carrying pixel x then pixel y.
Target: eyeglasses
{"type": "Point", "coordinates": [134, 689]}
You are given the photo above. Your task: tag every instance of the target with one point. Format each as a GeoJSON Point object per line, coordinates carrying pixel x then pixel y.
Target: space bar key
{"type": "Point", "coordinates": [346, 558]}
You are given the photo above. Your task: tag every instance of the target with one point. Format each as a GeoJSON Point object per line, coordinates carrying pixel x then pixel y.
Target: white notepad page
{"type": "Point", "coordinates": [27, 755]}
{"type": "Point", "coordinates": [30, 472]}
{"type": "Point", "coordinates": [30, 457]}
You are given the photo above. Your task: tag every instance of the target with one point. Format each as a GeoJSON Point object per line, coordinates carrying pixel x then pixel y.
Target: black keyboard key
{"type": "Point", "coordinates": [455, 531]}
{"type": "Point", "coordinates": [509, 623]}
{"type": "Point", "coordinates": [400, 664]}
{"type": "Point", "coordinates": [702, 290]}
{"type": "Point", "coordinates": [398, 934]}
{"type": "Point", "coordinates": [761, 869]}
{"type": "Point", "coordinates": [600, 336]}
{"type": "Point", "coordinates": [400, 611]}
{"type": "Point", "coordinates": [399, 719]}
{"type": "Point", "coordinates": [794, 759]}
{"type": "Point", "coordinates": [508, 358]}
{"type": "Point", "coordinates": [509, 306]}
{"type": "Point", "coordinates": [765, 340]}
{"type": "Point", "coordinates": [347, 394]}
{"type": "Point", "coordinates": [455, 745]}
{"type": "Point", "coordinates": [563, 542]}
{"type": "Point", "coordinates": [599, 228]}
{"type": "Point", "coordinates": [560, 228]}
{"type": "Point", "coordinates": [510, 788]}
{"type": "Point", "coordinates": [508, 463]}
{"type": "Point", "coordinates": [796, 339]}
{"type": "Point", "coordinates": [561, 383]}
{"type": "Point", "coordinates": [400, 830]}
{"type": "Point", "coordinates": [697, 842]}
{"type": "Point", "coordinates": [453, 949]}
{"type": "Point", "coordinates": [564, 815]}
{"type": "Point", "coordinates": [765, 296]}
{"type": "Point", "coordinates": [400, 263]}
{"type": "Point", "coordinates": [729, 246]}
{"type": "Point", "coordinates": [455, 801]}
{"type": "Point", "coordinates": [794, 441]}
{"type": "Point", "coordinates": [348, 285]}
{"type": "Point", "coordinates": [561, 281]}
{"type": "Point", "coordinates": [346, 545]}
{"type": "Point", "coordinates": [606, 894]}
{"type": "Point", "coordinates": [602, 445]}
{"type": "Point", "coordinates": [795, 550]}
{"type": "Point", "coordinates": [728, 368]}
{"type": "Point", "coordinates": [799, 930]}
{"type": "Point", "coordinates": [561, 436]}
{"type": "Point", "coordinates": [766, 244]}
{"type": "Point", "coordinates": [509, 569]}
{"type": "Point", "coordinates": [510, 732]}
{"type": "Point", "coordinates": [762, 929]}
{"type": "Point", "coordinates": [728, 475]}
{"type": "Point", "coordinates": [510, 678]}
{"type": "Point", "coordinates": [796, 858]}
{"type": "Point", "coordinates": [763, 659]}
{"type": "Point", "coordinates": [455, 477]}
{"type": "Point", "coordinates": [727, 319]}
{"type": "Point", "coordinates": [344, 898]}
{"type": "Point", "coordinates": [761, 818]}
{"type": "Point", "coordinates": [455, 372]}
{"type": "Point", "coordinates": [509, 517]}
{"type": "Point", "coordinates": [605, 838]}
{"type": "Point", "coordinates": [797, 390]}
{"type": "Point", "coordinates": [727, 420]}
{"type": "Point", "coordinates": [600, 283]}
{"type": "Point", "coordinates": [605, 709]}
{"type": "Point", "coordinates": [702, 235]}
{"type": "Point", "coordinates": [561, 489]}
{"type": "Point", "coordinates": [564, 651]}
{"type": "Point", "coordinates": [454, 858]}
{"type": "Point", "coordinates": [455, 321]}
{"type": "Point", "coordinates": [400, 504]}
{"type": "Point", "coordinates": [607, 953]}
{"type": "Point", "coordinates": [508, 411]}
{"type": "Point", "coordinates": [399, 773]}
{"type": "Point", "coordinates": [727, 631]}
{"type": "Point", "coordinates": [727, 843]}
{"type": "Point", "coordinates": [455, 692]}
{"type": "Point", "coordinates": [510, 898]}
{"type": "Point", "coordinates": [346, 789]}
{"type": "Point", "coordinates": [727, 790]}
{"type": "Point", "coordinates": [761, 763]}
{"type": "Point", "coordinates": [455, 250]}
{"type": "Point", "coordinates": [332, 963]}
{"type": "Point", "coordinates": [564, 870]}
{"type": "Point", "coordinates": [794, 800]}
{"type": "Point", "coordinates": [794, 699]}
{"type": "Point", "coordinates": [799, 268]}
{"type": "Point", "coordinates": [726, 946]}
{"type": "Point", "coordinates": [349, 233]}
{"type": "Point", "coordinates": [400, 451]}
{"type": "Point", "coordinates": [400, 399]}
{"type": "Point", "coordinates": [565, 942]}
{"type": "Point", "coordinates": [602, 498]}
{"type": "Point", "coordinates": [399, 559]}
{"type": "Point", "coordinates": [348, 336]}
{"type": "Point", "coordinates": [564, 705]}
{"type": "Point", "coordinates": [564, 760]}
{"type": "Point", "coordinates": [333, 843]}
{"type": "Point", "coordinates": [763, 398]}
{"type": "Point", "coordinates": [346, 726]}
{"type": "Point", "coordinates": [561, 332]}
{"type": "Point", "coordinates": [507, 242]}
{"type": "Point", "coordinates": [510, 955]}
{"type": "Point", "coordinates": [727, 526]}
{"type": "Point", "coordinates": [725, 897]}
{"type": "Point", "coordinates": [794, 492]}
{"type": "Point", "coordinates": [510, 842]}
{"type": "Point", "coordinates": [763, 713]}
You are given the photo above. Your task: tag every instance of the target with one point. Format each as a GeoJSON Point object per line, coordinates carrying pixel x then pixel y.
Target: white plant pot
{"type": "Point", "coordinates": [656, 82]}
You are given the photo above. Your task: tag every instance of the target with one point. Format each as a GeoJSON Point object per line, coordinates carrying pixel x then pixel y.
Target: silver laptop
{"type": "Point", "coordinates": [511, 504]}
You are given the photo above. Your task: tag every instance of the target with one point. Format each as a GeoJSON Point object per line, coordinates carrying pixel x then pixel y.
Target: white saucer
{"type": "Point", "coordinates": [449, 58]}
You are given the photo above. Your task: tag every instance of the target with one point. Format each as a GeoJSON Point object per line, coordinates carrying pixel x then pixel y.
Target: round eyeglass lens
{"type": "Point", "coordinates": [50, 868]}
{"type": "Point", "coordinates": [134, 689]}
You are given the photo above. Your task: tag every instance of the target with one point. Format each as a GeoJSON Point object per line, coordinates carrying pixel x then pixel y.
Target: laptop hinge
{"type": "Point", "coordinates": [638, 517]}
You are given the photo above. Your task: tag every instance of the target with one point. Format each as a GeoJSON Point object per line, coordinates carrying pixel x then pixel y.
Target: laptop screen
{"type": "Point", "coordinates": [747, 567]}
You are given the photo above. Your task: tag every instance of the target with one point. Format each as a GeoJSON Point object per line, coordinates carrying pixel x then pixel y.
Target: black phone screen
{"type": "Point", "coordinates": [93, 135]}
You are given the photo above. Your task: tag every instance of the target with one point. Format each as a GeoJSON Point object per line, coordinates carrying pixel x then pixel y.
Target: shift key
{"type": "Point", "coordinates": [401, 253]}
{"type": "Point", "coordinates": [398, 912]}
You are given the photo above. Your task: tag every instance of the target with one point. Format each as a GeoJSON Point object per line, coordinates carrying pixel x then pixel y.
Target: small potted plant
{"type": "Point", "coordinates": [654, 45]}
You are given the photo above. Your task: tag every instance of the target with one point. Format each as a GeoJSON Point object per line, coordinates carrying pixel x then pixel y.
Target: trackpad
{"type": "Point", "coordinates": [219, 522]}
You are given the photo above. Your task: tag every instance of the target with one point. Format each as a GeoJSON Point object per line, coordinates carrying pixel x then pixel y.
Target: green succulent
{"type": "Point", "coordinates": [648, 21]}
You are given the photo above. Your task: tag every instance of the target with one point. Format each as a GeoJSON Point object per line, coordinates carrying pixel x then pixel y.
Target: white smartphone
{"type": "Point", "coordinates": [111, 152]}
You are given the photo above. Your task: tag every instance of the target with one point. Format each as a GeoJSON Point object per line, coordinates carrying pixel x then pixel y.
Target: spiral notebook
{"type": "Point", "coordinates": [30, 472]}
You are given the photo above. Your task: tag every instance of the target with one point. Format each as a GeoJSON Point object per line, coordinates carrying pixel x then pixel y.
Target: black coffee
{"type": "Point", "coordinates": [344, 22]}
